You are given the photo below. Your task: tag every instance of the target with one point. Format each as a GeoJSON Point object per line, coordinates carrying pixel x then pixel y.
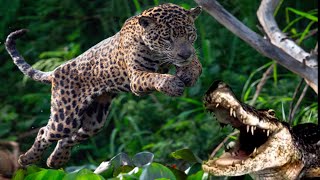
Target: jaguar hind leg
{"type": "Point", "coordinates": [92, 122]}
{"type": "Point", "coordinates": [64, 121]}
{"type": "Point", "coordinates": [40, 145]}
{"type": "Point", "coordinates": [48, 134]}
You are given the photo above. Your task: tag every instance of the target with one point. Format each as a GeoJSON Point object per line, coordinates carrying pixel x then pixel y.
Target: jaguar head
{"type": "Point", "coordinates": [169, 31]}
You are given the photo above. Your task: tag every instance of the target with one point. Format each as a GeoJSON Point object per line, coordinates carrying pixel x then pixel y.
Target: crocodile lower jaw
{"type": "Point", "coordinates": [277, 151]}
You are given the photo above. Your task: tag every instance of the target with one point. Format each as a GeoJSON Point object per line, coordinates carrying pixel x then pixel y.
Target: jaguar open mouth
{"type": "Point", "coordinates": [258, 131]}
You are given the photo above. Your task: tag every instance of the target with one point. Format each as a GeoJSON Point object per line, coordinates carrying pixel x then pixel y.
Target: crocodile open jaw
{"type": "Point", "coordinates": [261, 140]}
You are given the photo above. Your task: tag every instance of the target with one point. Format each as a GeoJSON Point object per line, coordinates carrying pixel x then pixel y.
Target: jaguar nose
{"type": "Point", "coordinates": [185, 54]}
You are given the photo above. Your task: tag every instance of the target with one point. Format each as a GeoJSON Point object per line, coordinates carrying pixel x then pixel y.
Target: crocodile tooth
{"type": "Point", "coordinates": [268, 132]}
{"type": "Point", "coordinates": [248, 127]}
{"type": "Point", "coordinates": [217, 105]}
{"type": "Point", "coordinates": [252, 130]}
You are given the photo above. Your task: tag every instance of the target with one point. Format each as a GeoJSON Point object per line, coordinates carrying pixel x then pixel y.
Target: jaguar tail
{"type": "Point", "coordinates": [25, 68]}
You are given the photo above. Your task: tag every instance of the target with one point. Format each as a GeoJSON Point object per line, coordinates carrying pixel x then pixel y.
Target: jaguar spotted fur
{"type": "Point", "coordinates": [136, 59]}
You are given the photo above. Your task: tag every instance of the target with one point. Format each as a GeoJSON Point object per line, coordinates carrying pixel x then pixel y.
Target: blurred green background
{"type": "Point", "coordinates": [61, 30]}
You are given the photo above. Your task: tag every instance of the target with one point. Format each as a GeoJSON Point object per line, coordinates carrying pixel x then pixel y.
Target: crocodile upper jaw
{"type": "Point", "coordinates": [264, 142]}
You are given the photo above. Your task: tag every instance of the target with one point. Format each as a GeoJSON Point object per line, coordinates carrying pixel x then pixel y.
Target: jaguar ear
{"type": "Point", "coordinates": [146, 21]}
{"type": "Point", "coordinates": [194, 12]}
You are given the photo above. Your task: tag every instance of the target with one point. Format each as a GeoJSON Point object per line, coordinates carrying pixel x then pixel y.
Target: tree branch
{"type": "Point", "coordinates": [302, 95]}
{"type": "Point", "coordinates": [277, 38]}
{"type": "Point", "coordinates": [262, 45]}
{"type": "Point", "coordinates": [263, 80]}
{"type": "Point", "coordinates": [265, 15]}
{"type": "Point", "coordinates": [214, 152]}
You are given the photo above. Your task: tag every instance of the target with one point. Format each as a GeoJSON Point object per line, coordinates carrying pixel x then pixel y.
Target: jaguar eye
{"type": "Point", "coordinates": [167, 40]}
{"type": "Point", "coordinates": [192, 37]}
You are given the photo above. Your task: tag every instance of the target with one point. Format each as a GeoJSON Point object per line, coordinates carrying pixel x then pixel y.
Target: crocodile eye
{"type": "Point", "coordinates": [271, 112]}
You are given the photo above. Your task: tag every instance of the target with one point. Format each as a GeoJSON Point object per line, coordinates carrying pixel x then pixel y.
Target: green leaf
{"type": "Point", "coordinates": [137, 5]}
{"type": "Point", "coordinates": [120, 160]}
{"type": "Point", "coordinates": [143, 159]}
{"type": "Point", "coordinates": [19, 174]}
{"type": "Point", "coordinates": [180, 175]}
{"type": "Point", "coordinates": [122, 169]}
{"type": "Point", "coordinates": [195, 168]}
{"type": "Point", "coordinates": [156, 171]}
{"type": "Point", "coordinates": [305, 32]}
{"type": "Point", "coordinates": [46, 174]}
{"type": "Point", "coordinates": [83, 174]}
{"type": "Point", "coordinates": [187, 155]}
{"type": "Point", "coordinates": [303, 14]}
{"type": "Point", "coordinates": [33, 169]}
{"type": "Point", "coordinates": [196, 176]}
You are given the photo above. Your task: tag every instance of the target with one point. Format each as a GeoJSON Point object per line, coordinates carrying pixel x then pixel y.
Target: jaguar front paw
{"type": "Point", "coordinates": [187, 80]}
{"type": "Point", "coordinates": [189, 74]}
{"type": "Point", "coordinates": [171, 85]}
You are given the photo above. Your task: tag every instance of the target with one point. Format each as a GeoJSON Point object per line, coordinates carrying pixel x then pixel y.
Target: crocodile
{"type": "Point", "coordinates": [266, 148]}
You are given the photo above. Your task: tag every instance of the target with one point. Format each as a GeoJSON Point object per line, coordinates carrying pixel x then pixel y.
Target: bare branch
{"type": "Point", "coordinates": [261, 84]}
{"type": "Point", "coordinates": [279, 39]}
{"type": "Point", "coordinates": [292, 102]}
{"type": "Point", "coordinates": [303, 93]}
{"type": "Point", "coordinates": [214, 152]}
{"type": "Point", "coordinates": [263, 46]}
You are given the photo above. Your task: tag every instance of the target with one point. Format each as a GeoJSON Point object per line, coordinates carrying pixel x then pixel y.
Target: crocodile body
{"type": "Point", "coordinates": [266, 148]}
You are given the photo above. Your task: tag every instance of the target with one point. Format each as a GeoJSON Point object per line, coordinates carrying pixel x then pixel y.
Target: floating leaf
{"type": "Point", "coordinates": [122, 169]}
{"type": "Point", "coordinates": [83, 174]}
{"type": "Point", "coordinates": [19, 174]}
{"type": "Point", "coordinates": [46, 174]}
{"type": "Point", "coordinates": [196, 176]}
{"type": "Point", "coordinates": [180, 175]}
{"type": "Point", "coordinates": [187, 155]}
{"type": "Point", "coordinates": [121, 159]}
{"type": "Point", "coordinates": [194, 169]}
{"type": "Point", "coordinates": [156, 171]}
{"type": "Point", "coordinates": [143, 159]}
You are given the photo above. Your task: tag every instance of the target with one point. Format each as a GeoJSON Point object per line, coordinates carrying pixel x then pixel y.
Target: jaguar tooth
{"type": "Point", "coordinates": [263, 130]}
{"type": "Point", "coordinates": [248, 127]}
{"type": "Point", "coordinates": [252, 130]}
{"type": "Point", "coordinates": [217, 105]}
{"type": "Point", "coordinates": [268, 132]}
{"type": "Point", "coordinates": [234, 114]}
{"type": "Point", "coordinates": [254, 151]}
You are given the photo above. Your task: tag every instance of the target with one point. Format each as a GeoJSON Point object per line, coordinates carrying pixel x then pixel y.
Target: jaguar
{"type": "Point", "coordinates": [136, 59]}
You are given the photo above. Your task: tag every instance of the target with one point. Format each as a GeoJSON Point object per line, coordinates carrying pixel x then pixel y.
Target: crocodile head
{"type": "Point", "coordinates": [265, 146]}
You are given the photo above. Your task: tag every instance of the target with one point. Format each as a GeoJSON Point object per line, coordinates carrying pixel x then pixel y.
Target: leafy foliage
{"type": "Point", "coordinates": [61, 30]}
{"type": "Point", "coordinates": [141, 167]}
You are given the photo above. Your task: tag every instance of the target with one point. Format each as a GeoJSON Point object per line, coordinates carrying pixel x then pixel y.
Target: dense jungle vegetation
{"type": "Point", "coordinates": [61, 30]}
